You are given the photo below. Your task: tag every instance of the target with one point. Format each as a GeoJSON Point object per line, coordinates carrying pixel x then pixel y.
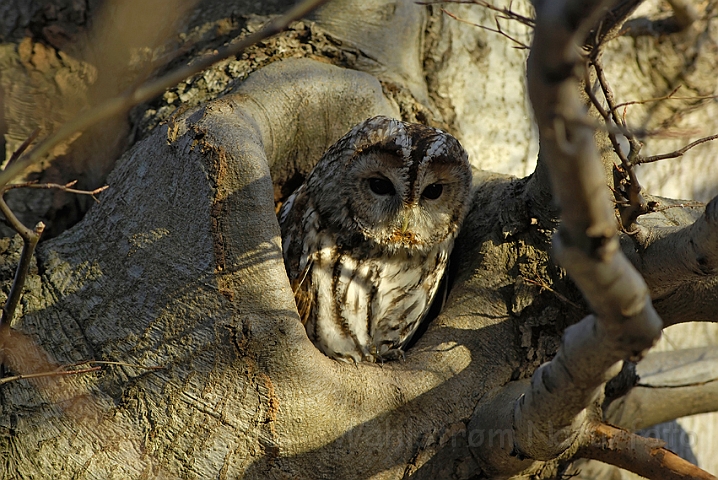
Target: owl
{"type": "Point", "coordinates": [367, 237]}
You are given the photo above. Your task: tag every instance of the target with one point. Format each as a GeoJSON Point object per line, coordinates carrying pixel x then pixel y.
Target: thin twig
{"type": "Point", "coordinates": [64, 188]}
{"type": "Point", "coordinates": [125, 101]}
{"type": "Point", "coordinates": [498, 30]}
{"type": "Point", "coordinates": [649, 100]}
{"type": "Point", "coordinates": [507, 12]}
{"type": "Point", "coordinates": [543, 286]}
{"type": "Point", "coordinates": [29, 242]}
{"type": "Point", "coordinates": [30, 239]}
{"type": "Point", "coordinates": [637, 204]}
{"type": "Point", "coordinates": [666, 97]}
{"type": "Point", "coordinates": [13, 378]}
{"type": "Point", "coordinates": [607, 118]}
{"type": "Point", "coordinates": [74, 371]}
{"type": "Point", "coordinates": [678, 153]}
{"type": "Point", "coordinates": [120, 364]}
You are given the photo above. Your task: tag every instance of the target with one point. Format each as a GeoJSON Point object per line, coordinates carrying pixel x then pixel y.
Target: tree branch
{"type": "Point", "coordinates": [675, 154]}
{"type": "Point", "coordinates": [65, 188]}
{"type": "Point", "coordinates": [645, 456]}
{"type": "Point", "coordinates": [29, 238]}
{"type": "Point", "coordinates": [506, 13]}
{"type": "Point", "coordinates": [671, 385]}
{"type": "Point", "coordinates": [498, 29]}
{"type": "Point", "coordinates": [626, 181]}
{"type": "Point", "coordinates": [672, 257]}
{"type": "Point", "coordinates": [586, 245]}
{"type": "Point", "coordinates": [690, 302]}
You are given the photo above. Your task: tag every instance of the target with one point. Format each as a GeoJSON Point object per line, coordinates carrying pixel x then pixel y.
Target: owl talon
{"type": "Point", "coordinates": [393, 354]}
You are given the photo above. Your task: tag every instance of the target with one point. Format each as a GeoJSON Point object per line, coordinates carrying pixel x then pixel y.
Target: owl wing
{"type": "Point", "coordinates": [297, 253]}
{"type": "Point", "coordinates": [292, 227]}
{"type": "Point", "coordinates": [303, 294]}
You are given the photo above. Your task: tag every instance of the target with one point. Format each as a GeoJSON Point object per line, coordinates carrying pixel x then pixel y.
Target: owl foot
{"type": "Point", "coordinates": [393, 354]}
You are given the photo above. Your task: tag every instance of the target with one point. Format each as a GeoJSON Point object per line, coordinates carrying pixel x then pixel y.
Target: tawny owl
{"type": "Point", "coordinates": [367, 237]}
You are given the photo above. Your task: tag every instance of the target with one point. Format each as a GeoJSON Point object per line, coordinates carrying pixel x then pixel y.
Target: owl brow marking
{"type": "Point", "coordinates": [437, 145]}
{"type": "Point", "coordinates": [419, 155]}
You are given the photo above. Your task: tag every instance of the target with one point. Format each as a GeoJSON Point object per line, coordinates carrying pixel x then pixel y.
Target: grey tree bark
{"type": "Point", "coordinates": [180, 266]}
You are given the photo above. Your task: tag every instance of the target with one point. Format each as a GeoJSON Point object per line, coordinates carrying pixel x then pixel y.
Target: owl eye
{"type": "Point", "coordinates": [433, 191]}
{"type": "Point", "coordinates": [381, 186]}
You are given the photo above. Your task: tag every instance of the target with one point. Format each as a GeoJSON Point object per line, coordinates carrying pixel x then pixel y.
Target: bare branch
{"type": "Point", "coordinates": [649, 100]}
{"type": "Point", "coordinates": [626, 181]}
{"type": "Point", "coordinates": [586, 245]}
{"type": "Point", "coordinates": [678, 153]}
{"type": "Point", "coordinates": [124, 102]}
{"type": "Point", "coordinates": [644, 456]}
{"type": "Point", "coordinates": [498, 30]}
{"type": "Point", "coordinates": [689, 302]}
{"type": "Point", "coordinates": [13, 378]}
{"type": "Point", "coordinates": [62, 370]}
{"type": "Point", "coordinates": [506, 13]}
{"type": "Point", "coordinates": [670, 96]}
{"type": "Point", "coordinates": [65, 188]}
{"type": "Point", "coordinates": [30, 239]}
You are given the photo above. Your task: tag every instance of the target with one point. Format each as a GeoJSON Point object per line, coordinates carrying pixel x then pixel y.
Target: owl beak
{"type": "Point", "coordinates": [405, 224]}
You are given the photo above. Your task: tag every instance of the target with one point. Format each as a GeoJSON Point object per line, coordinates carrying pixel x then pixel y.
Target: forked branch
{"type": "Point", "coordinates": [625, 324]}
{"type": "Point", "coordinates": [29, 238]}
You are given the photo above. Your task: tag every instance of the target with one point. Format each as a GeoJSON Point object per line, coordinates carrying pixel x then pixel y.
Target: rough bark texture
{"type": "Point", "coordinates": [180, 266]}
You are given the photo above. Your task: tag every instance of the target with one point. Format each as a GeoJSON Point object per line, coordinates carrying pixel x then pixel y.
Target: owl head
{"type": "Point", "coordinates": [397, 184]}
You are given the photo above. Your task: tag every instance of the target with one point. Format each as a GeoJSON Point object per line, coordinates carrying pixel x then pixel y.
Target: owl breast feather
{"type": "Point", "coordinates": [366, 305]}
